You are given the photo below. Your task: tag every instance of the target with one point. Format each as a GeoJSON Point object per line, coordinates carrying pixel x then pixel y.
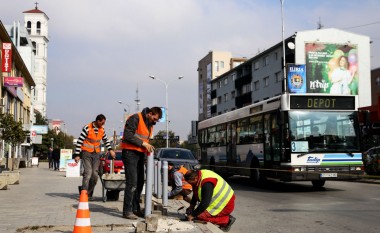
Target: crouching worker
{"type": "Point", "coordinates": [179, 185]}
{"type": "Point", "coordinates": [216, 199]}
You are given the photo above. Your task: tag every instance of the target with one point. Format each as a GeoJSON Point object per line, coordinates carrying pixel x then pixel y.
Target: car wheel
{"type": "Point", "coordinates": [318, 183]}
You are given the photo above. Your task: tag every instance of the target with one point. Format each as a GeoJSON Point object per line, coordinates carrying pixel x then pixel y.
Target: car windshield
{"type": "Point", "coordinates": [176, 154]}
{"type": "Point", "coordinates": [118, 155]}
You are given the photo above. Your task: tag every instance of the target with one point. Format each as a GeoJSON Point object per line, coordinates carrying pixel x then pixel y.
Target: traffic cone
{"type": "Point", "coordinates": [82, 221]}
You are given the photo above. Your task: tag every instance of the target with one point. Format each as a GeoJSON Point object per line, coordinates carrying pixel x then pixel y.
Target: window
{"type": "Point", "coordinates": [275, 56]}
{"type": "Point", "coordinates": [257, 65]}
{"type": "Point", "coordinates": [214, 86]}
{"type": "Point", "coordinates": [225, 81]}
{"type": "Point", "coordinates": [38, 27]}
{"type": "Point", "coordinates": [226, 97]}
{"type": "Point", "coordinates": [220, 84]}
{"type": "Point", "coordinates": [257, 85]}
{"type": "Point", "coordinates": [219, 99]}
{"type": "Point", "coordinates": [246, 88]}
{"type": "Point", "coordinates": [214, 102]}
{"type": "Point", "coordinates": [29, 26]}
{"type": "Point", "coordinates": [266, 60]}
{"type": "Point", "coordinates": [278, 77]}
{"type": "Point", "coordinates": [216, 66]}
{"type": "Point", "coordinates": [233, 94]}
{"type": "Point", "coordinates": [266, 81]}
{"type": "Point", "coordinates": [233, 77]}
{"type": "Point", "coordinates": [221, 64]}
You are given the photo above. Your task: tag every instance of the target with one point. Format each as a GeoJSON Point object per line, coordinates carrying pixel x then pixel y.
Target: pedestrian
{"type": "Point", "coordinates": [50, 157]}
{"type": "Point", "coordinates": [215, 196]}
{"type": "Point", "coordinates": [179, 185]}
{"type": "Point", "coordinates": [88, 146]}
{"type": "Point", "coordinates": [56, 154]}
{"type": "Point", "coordinates": [135, 144]}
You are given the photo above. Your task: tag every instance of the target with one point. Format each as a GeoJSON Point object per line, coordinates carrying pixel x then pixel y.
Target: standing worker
{"type": "Point", "coordinates": [135, 144]}
{"type": "Point", "coordinates": [216, 197]}
{"type": "Point", "coordinates": [89, 144]}
{"type": "Point", "coordinates": [179, 184]}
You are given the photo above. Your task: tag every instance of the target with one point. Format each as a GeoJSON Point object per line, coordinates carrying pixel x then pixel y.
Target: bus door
{"type": "Point", "coordinates": [231, 144]}
{"type": "Point", "coordinates": [272, 141]}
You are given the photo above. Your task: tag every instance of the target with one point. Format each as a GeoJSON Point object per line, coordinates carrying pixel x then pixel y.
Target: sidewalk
{"type": "Point", "coordinates": [46, 201]}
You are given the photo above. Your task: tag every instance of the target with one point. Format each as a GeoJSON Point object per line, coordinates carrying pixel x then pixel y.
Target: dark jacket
{"type": "Point", "coordinates": [56, 154]}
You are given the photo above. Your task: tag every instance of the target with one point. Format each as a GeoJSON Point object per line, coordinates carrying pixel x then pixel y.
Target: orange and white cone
{"type": "Point", "coordinates": [82, 221]}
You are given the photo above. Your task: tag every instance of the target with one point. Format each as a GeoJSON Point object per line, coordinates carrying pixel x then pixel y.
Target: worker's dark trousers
{"type": "Point", "coordinates": [134, 176]}
{"type": "Point", "coordinates": [91, 163]}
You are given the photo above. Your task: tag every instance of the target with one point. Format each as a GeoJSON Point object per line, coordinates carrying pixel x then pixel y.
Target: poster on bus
{"type": "Point", "coordinates": [332, 68]}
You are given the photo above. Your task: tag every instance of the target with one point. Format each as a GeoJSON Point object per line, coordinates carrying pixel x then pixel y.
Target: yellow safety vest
{"type": "Point", "coordinates": [221, 195]}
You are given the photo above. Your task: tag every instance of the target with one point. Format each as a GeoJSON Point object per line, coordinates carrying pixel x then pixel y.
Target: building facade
{"type": "Point", "coordinates": [262, 76]}
{"type": "Point", "coordinates": [214, 64]}
{"type": "Point", "coordinates": [36, 24]}
{"type": "Point", "coordinates": [16, 88]}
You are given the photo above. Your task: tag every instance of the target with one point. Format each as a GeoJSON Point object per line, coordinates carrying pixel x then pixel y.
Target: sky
{"type": "Point", "coordinates": [100, 52]}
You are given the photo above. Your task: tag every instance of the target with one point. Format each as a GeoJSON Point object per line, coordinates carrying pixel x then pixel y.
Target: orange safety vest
{"type": "Point", "coordinates": [142, 132]}
{"type": "Point", "coordinates": [185, 184]}
{"type": "Point", "coordinates": [92, 142]}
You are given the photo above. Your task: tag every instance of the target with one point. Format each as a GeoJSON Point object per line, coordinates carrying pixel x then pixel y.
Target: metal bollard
{"type": "Point", "coordinates": [159, 185]}
{"type": "Point", "coordinates": [165, 183]}
{"type": "Point", "coordinates": [155, 177]}
{"type": "Point", "coordinates": [149, 184]}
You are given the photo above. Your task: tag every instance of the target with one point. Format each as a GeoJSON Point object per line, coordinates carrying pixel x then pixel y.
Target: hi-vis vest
{"type": "Point", "coordinates": [185, 185]}
{"type": "Point", "coordinates": [92, 142]}
{"type": "Point", "coordinates": [142, 132]}
{"type": "Point", "coordinates": [221, 195]}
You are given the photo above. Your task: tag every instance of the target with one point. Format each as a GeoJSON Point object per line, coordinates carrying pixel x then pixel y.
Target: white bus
{"type": "Point", "coordinates": [289, 138]}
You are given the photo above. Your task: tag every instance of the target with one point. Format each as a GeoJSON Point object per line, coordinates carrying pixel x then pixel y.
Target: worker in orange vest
{"type": "Point", "coordinates": [88, 144]}
{"type": "Point", "coordinates": [179, 185]}
{"type": "Point", "coordinates": [135, 145]}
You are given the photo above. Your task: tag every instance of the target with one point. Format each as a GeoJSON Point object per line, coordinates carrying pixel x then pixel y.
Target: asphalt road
{"type": "Point", "coordinates": [298, 208]}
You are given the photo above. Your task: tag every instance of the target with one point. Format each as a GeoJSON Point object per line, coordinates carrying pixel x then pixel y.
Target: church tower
{"type": "Point", "coordinates": [36, 23]}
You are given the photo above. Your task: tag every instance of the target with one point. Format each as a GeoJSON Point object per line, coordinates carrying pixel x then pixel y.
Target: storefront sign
{"type": "Point", "coordinates": [6, 58]}
{"type": "Point", "coordinates": [13, 81]}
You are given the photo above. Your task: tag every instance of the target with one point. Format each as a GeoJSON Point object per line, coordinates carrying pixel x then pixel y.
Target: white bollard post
{"type": "Point", "coordinates": [159, 185]}
{"type": "Point", "coordinates": [149, 184]}
{"type": "Point", "coordinates": [165, 183]}
{"type": "Point", "coordinates": [155, 178]}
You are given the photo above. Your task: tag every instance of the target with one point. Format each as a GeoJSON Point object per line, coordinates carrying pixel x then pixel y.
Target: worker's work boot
{"type": "Point", "coordinates": [229, 224]}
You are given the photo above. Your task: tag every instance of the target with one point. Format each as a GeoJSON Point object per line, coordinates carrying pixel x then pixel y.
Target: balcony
{"type": "Point", "coordinates": [243, 100]}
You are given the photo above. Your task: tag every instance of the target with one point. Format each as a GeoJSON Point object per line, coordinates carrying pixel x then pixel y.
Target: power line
{"type": "Point", "coordinates": [363, 25]}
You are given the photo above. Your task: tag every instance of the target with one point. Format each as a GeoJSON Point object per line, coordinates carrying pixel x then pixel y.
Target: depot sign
{"type": "Point", "coordinates": [6, 58]}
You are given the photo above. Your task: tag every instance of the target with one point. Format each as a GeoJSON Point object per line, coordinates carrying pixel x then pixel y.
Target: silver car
{"type": "Point", "coordinates": [178, 156]}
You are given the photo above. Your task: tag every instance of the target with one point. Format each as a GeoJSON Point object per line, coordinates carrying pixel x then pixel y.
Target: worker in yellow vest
{"type": "Point", "coordinates": [135, 145]}
{"type": "Point", "coordinates": [216, 199]}
{"type": "Point", "coordinates": [179, 185]}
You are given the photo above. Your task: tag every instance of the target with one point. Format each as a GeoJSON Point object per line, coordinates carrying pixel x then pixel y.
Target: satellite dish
{"type": "Point", "coordinates": [291, 45]}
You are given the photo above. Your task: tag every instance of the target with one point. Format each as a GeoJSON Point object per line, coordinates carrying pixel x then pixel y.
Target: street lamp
{"type": "Point", "coordinates": [166, 105]}
{"type": "Point", "coordinates": [283, 45]}
{"type": "Point", "coordinates": [126, 111]}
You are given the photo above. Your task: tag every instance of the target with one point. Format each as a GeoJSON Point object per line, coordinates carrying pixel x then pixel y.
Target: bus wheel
{"type": "Point", "coordinates": [318, 183]}
{"type": "Point", "coordinates": [212, 164]}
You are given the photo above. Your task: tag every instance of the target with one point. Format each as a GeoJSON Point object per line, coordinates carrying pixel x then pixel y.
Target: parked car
{"type": "Point", "coordinates": [105, 166]}
{"type": "Point", "coordinates": [178, 156]}
{"type": "Point", "coordinates": [371, 160]}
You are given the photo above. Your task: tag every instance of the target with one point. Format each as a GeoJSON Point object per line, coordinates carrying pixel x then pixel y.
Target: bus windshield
{"type": "Point", "coordinates": [323, 131]}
